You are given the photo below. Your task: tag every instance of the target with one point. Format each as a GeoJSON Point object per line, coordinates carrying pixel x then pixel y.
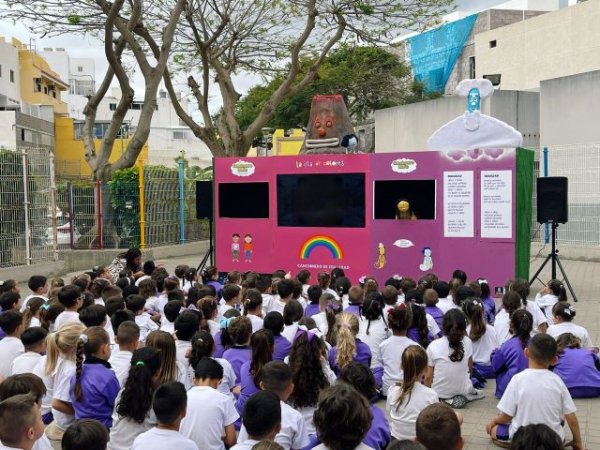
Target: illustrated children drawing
{"type": "Point", "coordinates": [248, 248]}
{"type": "Point", "coordinates": [235, 247]}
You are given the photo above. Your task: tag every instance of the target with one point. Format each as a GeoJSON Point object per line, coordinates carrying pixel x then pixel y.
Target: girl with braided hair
{"type": "Point", "coordinates": [450, 362]}
{"type": "Point", "coordinates": [94, 387]}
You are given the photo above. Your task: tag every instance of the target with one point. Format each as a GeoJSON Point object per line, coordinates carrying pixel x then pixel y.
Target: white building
{"type": "Point", "coordinates": [10, 86]}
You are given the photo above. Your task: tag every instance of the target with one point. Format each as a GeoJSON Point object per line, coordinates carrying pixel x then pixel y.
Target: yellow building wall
{"type": "Point", "coordinates": [287, 146]}
{"type": "Point", "coordinates": [70, 152]}
{"type": "Point", "coordinates": [31, 66]}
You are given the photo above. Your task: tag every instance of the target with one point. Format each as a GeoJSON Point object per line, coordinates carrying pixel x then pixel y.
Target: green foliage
{"type": "Point", "coordinates": [369, 78]}
{"type": "Point", "coordinates": [125, 201]}
{"type": "Point", "coordinates": [74, 19]}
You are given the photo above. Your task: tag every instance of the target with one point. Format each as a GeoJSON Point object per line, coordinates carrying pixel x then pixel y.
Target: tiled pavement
{"type": "Point", "coordinates": [584, 277]}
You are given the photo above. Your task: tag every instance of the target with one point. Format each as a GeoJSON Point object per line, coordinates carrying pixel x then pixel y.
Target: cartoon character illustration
{"type": "Point", "coordinates": [248, 248]}
{"type": "Point", "coordinates": [330, 128]}
{"type": "Point", "coordinates": [427, 260]}
{"type": "Point", "coordinates": [380, 263]}
{"type": "Point", "coordinates": [403, 211]}
{"type": "Point", "coordinates": [235, 247]}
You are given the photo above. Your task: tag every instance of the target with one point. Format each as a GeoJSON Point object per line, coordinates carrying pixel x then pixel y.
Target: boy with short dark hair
{"type": "Point", "coordinates": [93, 316]}
{"type": "Point", "coordinates": [231, 297]}
{"type": "Point", "coordinates": [431, 298]}
{"type": "Point", "coordinates": [136, 304]}
{"type": "Point", "coordinates": [210, 414]}
{"type": "Point", "coordinates": [169, 404]}
{"type": "Point", "coordinates": [285, 292]}
{"type": "Point", "coordinates": [261, 418]}
{"type": "Point", "coordinates": [10, 300]}
{"type": "Point", "coordinates": [172, 311]}
{"type": "Point", "coordinates": [34, 343]}
{"type": "Point", "coordinates": [438, 428]}
{"type": "Point", "coordinates": [186, 325]}
{"type": "Point", "coordinates": [70, 297]}
{"type": "Point", "coordinates": [88, 434]}
{"type": "Point", "coordinates": [277, 377]}
{"type": "Point", "coordinates": [128, 337]}
{"type": "Point", "coordinates": [20, 422]}
{"type": "Point", "coordinates": [38, 284]}
{"type": "Point", "coordinates": [11, 323]}
{"type": "Point", "coordinates": [536, 395]}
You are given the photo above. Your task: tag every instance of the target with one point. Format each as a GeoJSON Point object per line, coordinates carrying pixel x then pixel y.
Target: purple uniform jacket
{"type": "Point", "coordinates": [577, 368]}
{"type": "Point", "coordinates": [311, 310]}
{"type": "Point", "coordinates": [100, 387]}
{"type": "Point", "coordinates": [437, 314]}
{"type": "Point", "coordinates": [378, 436]}
{"type": "Point", "coordinates": [489, 306]}
{"type": "Point", "coordinates": [363, 356]}
{"type": "Point", "coordinates": [219, 349]}
{"type": "Point", "coordinates": [507, 361]}
{"type": "Point", "coordinates": [354, 309]}
{"type": "Point", "coordinates": [282, 348]}
{"type": "Point", "coordinates": [247, 385]}
{"type": "Point", "coordinates": [237, 356]}
{"type": "Point", "coordinates": [413, 333]}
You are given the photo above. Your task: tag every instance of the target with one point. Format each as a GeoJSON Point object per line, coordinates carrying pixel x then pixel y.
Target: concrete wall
{"type": "Point", "coordinates": [580, 96]}
{"type": "Point", "coordinates": [8, 137]}
{"type": "Point", "coordinates": [407, 128]}
{"type": "Point", "coordinates": [557, 44]}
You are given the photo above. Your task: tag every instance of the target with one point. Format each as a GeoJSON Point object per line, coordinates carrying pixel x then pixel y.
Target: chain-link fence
{"type": "Point", "coordinates": [27, 207]}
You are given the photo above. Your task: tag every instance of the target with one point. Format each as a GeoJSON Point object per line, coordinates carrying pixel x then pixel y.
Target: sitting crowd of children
{"type": "Point", "coordinates": [148, 360]}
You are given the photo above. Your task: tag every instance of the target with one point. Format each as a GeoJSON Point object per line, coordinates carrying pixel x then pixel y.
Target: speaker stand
{"type": "Point", "coordinates": [208, 257]}
{"type": "Point", "coordinates": [553, 256]}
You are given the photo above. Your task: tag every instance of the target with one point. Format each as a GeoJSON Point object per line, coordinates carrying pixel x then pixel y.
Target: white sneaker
{"type": "Point", "coordinates": [475, 395]}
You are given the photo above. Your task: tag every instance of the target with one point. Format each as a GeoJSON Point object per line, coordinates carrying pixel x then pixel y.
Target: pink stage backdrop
{"type": "Point", "coordinates": [464, 203]}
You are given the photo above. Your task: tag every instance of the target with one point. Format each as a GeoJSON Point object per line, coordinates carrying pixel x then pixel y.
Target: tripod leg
{"type": "Point", "coordinates": [564, 274]}
{"type": "Point", "coordinates": [540, 269]}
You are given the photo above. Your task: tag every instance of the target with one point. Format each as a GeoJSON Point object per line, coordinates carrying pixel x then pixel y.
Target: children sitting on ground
{"type": "Point", "coordinates": [511, 302]}
{"type": "Point", "coordinates": [510, 358]}
{"type": "Point", "coordinates": [285, 291]}
{"type": "Point", "coordinates": [348, 347]}
{"type": "Point", "coordinates": [407, 398]}
{"type": "Point", "coordinates": [32, 312]}
{"type": "Point", "coordinates": [261, 344]}
{"type": "Point", "coordinates": [253, 308]}
{"type": "Point", "coordinates": [128, 336]}
{"type": "Point", "coordinates": [373, 330]}
{"type": "Point", "coordinates": [431, 298]}
{"type": "Point", "coordinates": [34, 342]}
{"type": "Point", "coordinates": [169, 403]}
{"type": "Point", "coordinates": [355, 300]}
{"type": "Point", "coordinates": [237, 338]}
{"type": "Point", "coordinates": [136, 304]}
{"type": "Point", "coordinates": [71, 298]}
{"type": "Point", "coordinates": [210, 414]}
{"type": "Point", "coordinates": [231, 296]}
{"type": "Point", "coordinates": [483, 337]}
{"type": "Point", "coordinates": [281, 347]}
{"type": "Point", "coordinates": [418, 330]}
{"type": "Point", "coordinates": [579, 368]}
{"type": "Point", "coordinates": [313, 294]}
{"type": "Point", "coordinates": [94, 386]}
{"type": "Point", "coordinates": [450, 362]}
{"type": "Point", "coordinates": [549, 296]}
{"type": "Point", "coordinates": [563, 314]}
{"type": "Point", "coordinates": [292, 314]}
{"type": "Point", "coordinates": [536, 395]}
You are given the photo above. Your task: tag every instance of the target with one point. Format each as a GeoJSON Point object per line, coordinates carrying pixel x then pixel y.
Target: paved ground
{"type": "Point", "coordinates": [584, 278]}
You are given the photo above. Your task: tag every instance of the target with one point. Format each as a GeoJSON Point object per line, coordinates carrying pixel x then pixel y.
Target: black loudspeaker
{"type": "Point", "coordinates": [204, 200]}
{"type": "Point", "coordinates": [553, 200]}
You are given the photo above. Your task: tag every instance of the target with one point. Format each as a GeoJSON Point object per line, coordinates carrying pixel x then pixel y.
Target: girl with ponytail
{"type": "Point", "coordinates": [483, 336]}
{"type": "Point", "coordinates": [253, 308]}
{"type": "Point", "coordinates": [203, 346]}
{"type": "Point", "coordinates": [31, 315]}
{"type": "Point", "coordinates": [133, 413]}
{"type": "Point", "coordinates": [262, 345]}
{"type": "Point", "coordinates": [407, 398]}
{"type": "Point", "coordinates": [450, 362]}
{"type": "Point", "coordinates": [564, 313]}
{"type": "Point", "coordinates": [94, 387]}
{"type": "Point", "coordinates": [419, 332]}
{"type": "Point", "coordinates": [510, 358]}
{"type": "Point", "coordinates": [549, 296]}
{"type": "Point", "coordinates": [348, 348]}
{"type": "Point", "coordinates": [511, 302]}
{"type": "Point", "coordinates": [56, 369]}
{"type": "Point", "coordinates": [373, 330]}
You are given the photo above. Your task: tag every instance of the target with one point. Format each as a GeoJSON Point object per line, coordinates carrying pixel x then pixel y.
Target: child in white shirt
{"type": "Point", "coordinates": [70, 297]}
{"type": "Point", "coordinates": [128, 336]}
{"type": "Point", "coordinates": [169, 404]}
{"type": "Point", "coordinates": [171, 313]}
{"type": "Point", "coordinates": [231, 296]}
{"type": "Point", "coordinates": [20, 422]}
{"type": "Point", "coordinates": [450, 362]}
{"type": "Point", "coordinates": [11, 322]}
{"type": "Point", "coordinates": [135, 304]}
{"type": "Point", "coordinates": [563, 314]}
{"type": "Point", "coordinates": [210, 414]}
{"type": "Point", "coordinates": [536, 395]}
{"type": "Point", "coordinates": [483, 337]}
{"type": "Point", "coordinates": [277, 378]}
{"type": "Point", "coordinates": [34, 341]}
{"type": "Point", "coordinates": [548, 296]}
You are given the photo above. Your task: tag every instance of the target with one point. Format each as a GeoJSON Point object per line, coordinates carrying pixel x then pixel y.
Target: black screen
{"type": "Point", "coordinates": [321, 200]}
{"type": "Point", "coordinates": [244, 200]}
{"type": "Point", "coordinates": [419, 193]}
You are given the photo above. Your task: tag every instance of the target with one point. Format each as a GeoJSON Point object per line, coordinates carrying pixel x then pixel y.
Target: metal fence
{"type": "Point", "coordinates": [157, 208]}
{"type": "Point", "coordinates": [27, 207]}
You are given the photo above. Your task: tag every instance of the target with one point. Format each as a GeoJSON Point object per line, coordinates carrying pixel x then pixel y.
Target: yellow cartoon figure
{"type": "Point", "coordinates": [403, 211]}
{"type": "Point", "coordinates": [380, 263]}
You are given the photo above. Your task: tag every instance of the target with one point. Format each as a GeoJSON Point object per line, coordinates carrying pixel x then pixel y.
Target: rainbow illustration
{"type": "Point", "coordinates": [321, 241]}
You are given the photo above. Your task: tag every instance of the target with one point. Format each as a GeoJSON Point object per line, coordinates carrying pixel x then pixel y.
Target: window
{"type": "Point", "coordinates": [493, 43]}
{"type": "Point", "coordinates": [136, 106]}
{"type": "Point", "coordinates": [178, 134]}
{"type": "Point", "coordinates": [112, 106]}
{"type": "Point", "coordinates": [472, 68]}
{"type": "Point", "coordinates": [420, 194]}
{"type": "Point", "coordinates": [12, 76]}
{"type": "Point", "coordinates": [79, 68]}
